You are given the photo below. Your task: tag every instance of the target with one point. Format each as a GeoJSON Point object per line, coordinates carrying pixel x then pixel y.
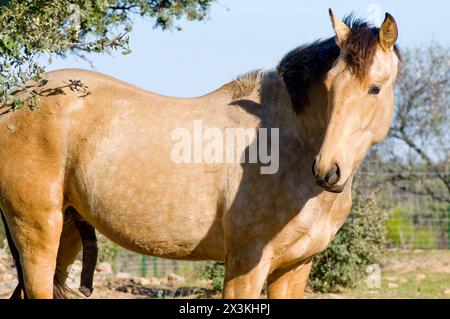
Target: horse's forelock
{"type": "Point", "coordinates": [361, 45]}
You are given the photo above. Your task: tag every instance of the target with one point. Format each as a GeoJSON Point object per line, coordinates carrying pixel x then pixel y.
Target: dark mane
{"type": "Point", "coordinates": [361, 45]}
{"type": "Point", "coordinates": [307, 64]}
{"type": "Point", "coordinates": [304, 66]}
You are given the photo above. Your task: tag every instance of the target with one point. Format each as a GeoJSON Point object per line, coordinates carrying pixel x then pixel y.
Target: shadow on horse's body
{"type": "Point", "coordinates": [107, 154]}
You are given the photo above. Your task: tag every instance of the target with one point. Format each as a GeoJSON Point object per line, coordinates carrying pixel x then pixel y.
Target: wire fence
{"type": "Point", "coordinates": [416, 218]}
{"type": "Point", "coordinates": [149, 266]}
{"type": "Point", "coordinates": [407, 230]}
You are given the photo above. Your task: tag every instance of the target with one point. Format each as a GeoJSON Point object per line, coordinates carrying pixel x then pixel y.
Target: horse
{"type": "Point", "coordinates": [107, 154]}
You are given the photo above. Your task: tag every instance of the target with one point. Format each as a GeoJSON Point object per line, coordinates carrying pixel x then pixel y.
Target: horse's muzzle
{"type": "Point", "coordinates": [328, 180]}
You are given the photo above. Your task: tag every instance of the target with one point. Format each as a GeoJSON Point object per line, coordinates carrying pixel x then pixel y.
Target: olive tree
{"type": "Point", "coordinates": [31, 28]}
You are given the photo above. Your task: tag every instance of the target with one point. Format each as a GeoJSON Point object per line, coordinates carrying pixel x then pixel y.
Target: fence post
{"type": "Point", "coordinates": [448, 228]}
{"type": "Point", "coordinates": [155, 266]}
{"type": "Point", "coordinates": [144, 266]}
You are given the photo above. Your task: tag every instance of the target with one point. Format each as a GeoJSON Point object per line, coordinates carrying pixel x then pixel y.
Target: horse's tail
{"type": "Point", "coordinates": [60, 290]}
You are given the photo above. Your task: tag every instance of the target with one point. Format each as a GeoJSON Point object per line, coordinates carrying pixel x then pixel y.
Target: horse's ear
{"type": "Point", "coordinates": [341, 29]}
{"type": "Point", "coordinates": [388, 32]}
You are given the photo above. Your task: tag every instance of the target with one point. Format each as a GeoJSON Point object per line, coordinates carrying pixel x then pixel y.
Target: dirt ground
{"type": "Point", "coordinates": [404, 274]}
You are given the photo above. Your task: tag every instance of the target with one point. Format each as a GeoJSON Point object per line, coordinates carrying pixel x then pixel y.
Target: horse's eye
{"type": "Point", "coordinates": [374, 90]}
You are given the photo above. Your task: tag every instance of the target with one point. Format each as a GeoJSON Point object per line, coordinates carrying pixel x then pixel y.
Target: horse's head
{"type": "Point", "coordinates": [360, 98]}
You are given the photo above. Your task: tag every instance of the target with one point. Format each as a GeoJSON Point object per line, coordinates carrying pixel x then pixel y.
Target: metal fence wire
{"type": "Point", "coordinates": [416, 219]}
{"type": "Point", "coordinates": [149, 266]}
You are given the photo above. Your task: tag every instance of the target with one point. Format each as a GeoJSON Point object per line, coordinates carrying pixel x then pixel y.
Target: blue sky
{"type": "Point", "coordinates": [242, 35]}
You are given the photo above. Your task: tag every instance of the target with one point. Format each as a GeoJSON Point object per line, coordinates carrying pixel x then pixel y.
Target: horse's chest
{"type": "Point", "coordinates": [311, 231]}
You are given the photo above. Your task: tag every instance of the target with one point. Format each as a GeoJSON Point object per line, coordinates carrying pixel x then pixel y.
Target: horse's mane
{"type": "Point", "coordinates": [245, 83]}
{"type": "Point", "coordinates": [307, 64]}
{"type": "Point", "coordinates": [304, 66]}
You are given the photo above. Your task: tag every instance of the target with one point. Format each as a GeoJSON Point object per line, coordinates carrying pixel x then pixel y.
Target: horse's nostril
{"type": "Point", "coordinates": [333, 175]}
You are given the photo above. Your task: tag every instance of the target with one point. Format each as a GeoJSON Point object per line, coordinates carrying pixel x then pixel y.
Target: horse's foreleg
{"type": "Point", "coordinates": [245, 273]}
{"type": "Point", "coordinates": [289, 282]}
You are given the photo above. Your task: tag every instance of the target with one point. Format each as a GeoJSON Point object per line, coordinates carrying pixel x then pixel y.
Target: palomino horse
{"type": "Point", "coordinates": [107, 155]}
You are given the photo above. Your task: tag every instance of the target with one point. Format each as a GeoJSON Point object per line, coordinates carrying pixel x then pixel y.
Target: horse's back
{"type": "Point", "coordinates": [108, 147]}
{"type": "Point", "coordinates": [92, 80]}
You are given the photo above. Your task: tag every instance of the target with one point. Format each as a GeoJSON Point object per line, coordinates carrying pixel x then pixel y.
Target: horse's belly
{"type": "Point", "coordinates": [152, 233]}
{"type": "Point", "coordinates": [155, 208]}
{"type": "Point", "coordinates": [171, 232]}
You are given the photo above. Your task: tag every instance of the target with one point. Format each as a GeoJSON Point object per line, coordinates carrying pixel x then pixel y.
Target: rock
{"type": "Point", "coordinates": [163, 281]}
{"type": "Point", "coordinates": [6, 277]}
{"type": "Point", "coordinates": [4, 292]}
{"type": "Point", "coordinates": [207, 283]}
{"type": "Point", "coordinates": [173, 279]}
{"type": "Point", "coordinates": [144, 281]}
{"type": "Point", "coordinates": [3, 254]}
{"type": "Point", "coordinates": [141, 281]}
{"type": "Point", "coordinates": [373, 279]}
{"type": "Point", "coordinates": [7, 288]}
{"type": "Point", "coordinates": [392, 285]}
{"type": "Point", "coordinates": [420, 277]}
{"type": "Point", "coordinates": [154, 281]}
{"type": "Point", "coordinates": [104, 267]}
{"type": "Point", "coordinates": [76, 267]}
{"type": "Point", "coordinates": [123, 275]}
{"type": "Point", "coordinates": [446, 291]}
{"type": "Point", "coordinates": [391, 278]}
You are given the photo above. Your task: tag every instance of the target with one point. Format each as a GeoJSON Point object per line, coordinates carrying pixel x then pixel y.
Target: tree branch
{"type": "Point", "coordinates": [84, 46]}
{"type": "Point", "coordinates": [404, 137]}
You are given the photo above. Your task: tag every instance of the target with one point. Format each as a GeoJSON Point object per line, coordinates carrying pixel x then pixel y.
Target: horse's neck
{"type": "Point", "coordinates": [309, 125]}
{"type": "Point", "coordinates": [312, 121]}
{"type": "Point", "coordinates": [307, 128]}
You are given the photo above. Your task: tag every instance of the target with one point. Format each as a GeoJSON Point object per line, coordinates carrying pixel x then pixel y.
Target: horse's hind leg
{"type": "Point", "coordinates": [36, 232]}
{"type": "Point", "coordinates": [76, 234]}
{"type": "Point", "coordinates": [69, 247]}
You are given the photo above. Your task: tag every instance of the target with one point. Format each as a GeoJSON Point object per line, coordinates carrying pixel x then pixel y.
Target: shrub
{"type": "Point", "coordinates": [358, 244]}
{"type": "Point", "coordinates": [214, 271]}
{"type": "Point", "coordinates": [107, 250]}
